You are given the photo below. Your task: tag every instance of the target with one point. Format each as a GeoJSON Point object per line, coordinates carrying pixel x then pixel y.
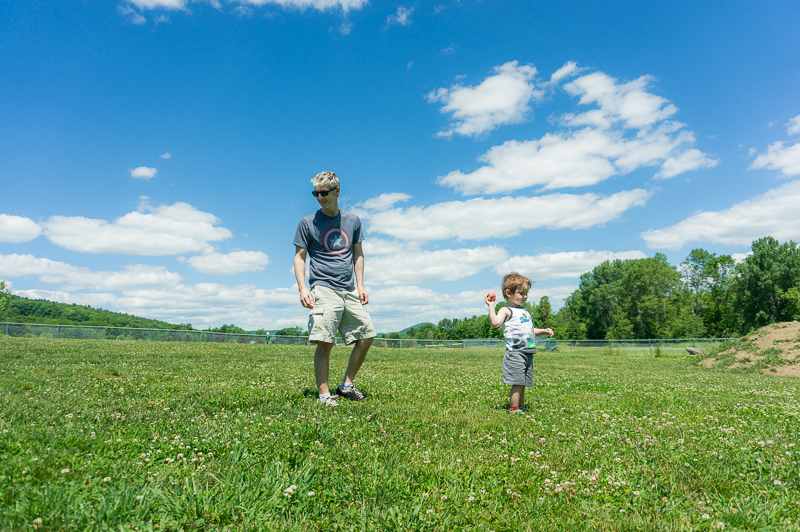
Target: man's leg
{"type": "Point", "coordinates": [322, 364]}
{"type": "Point", "coordinates": [357, 356]}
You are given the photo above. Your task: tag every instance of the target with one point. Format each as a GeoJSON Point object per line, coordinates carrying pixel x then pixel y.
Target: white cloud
{"type": "Point", "coordinates": [167, 230]}
{"type": "Point", "coordinates": [379, 246]}
{"type": "Point", "coordinates": [69, 277]}
{"type": "Point", "coordinates": [228, 264]}
{"type": "Point", "coordinates": [603, 146]}
{"type": "Point", "coordinates": [384, 201]}
{"type": "Point", "coordinates": [212, 304]}
{"type": "Point", "coordinates": [684, 162]}
{"type": "Point", "coordinates": [241, 7]}
{"type": "Point", "coordinates": [568, 70]}
{"type": "Point", "coordinates": [628, 102]}
{"type": "Point", "coordinates": [319, 5]}
{"type": "Point", "coordinates": [479, 218]}
{"type": "Point", "coordinates": [793, 127]}
{"type": "Point", "coordinates": [165, 155]}
{"type": "Point", "coordinates": [346, 27]}
{"type": "Point", "coordinates": [771, 214]}
{"type": "Point", "coordinates": [16, 229]}
{"type": "Point", "coordinates": [401, 17]}
{"type": "Point", "coordinates": [503, 98]}
{"type": "Point", "coordinates": [556, 161]}
{"type": "Point", "coordinates": [397, 307]}
{"type": "Point", "coordinates": [95, 300]}
{"type": "Point", "coordinates": [159, 4]}
{"type": "Point", "coordinates": [416, 267]}
{"type": "Point", "coordinates": [563, 265]}
{"type": "Point", "coordinates": [134, 17]}
{"type": "Point", "coordinates": [203, 304]}
{"type": "Point", "coordinates": [143, 172]}
{"type": "Point", "coordinates": [786, 159]}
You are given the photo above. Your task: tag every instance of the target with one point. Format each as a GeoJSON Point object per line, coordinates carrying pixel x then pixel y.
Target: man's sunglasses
{"type": "Point", "coordinates": [322, 193]}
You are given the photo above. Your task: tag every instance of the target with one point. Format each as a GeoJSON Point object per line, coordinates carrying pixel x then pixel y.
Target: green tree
{"type": "Point", "coordinates": [467, 328]}
{"type": "Point", "coordinates": [566, 326]}
{"type": "Point", "coordinates": [449, 329]}
{"type": "Point", "coordinates": [543, 316]}
{"type": "Point", "coordinates": [426, 331]}
{"type": "Point", "coordinates": [709, 278]}
{"type": "Point", "coordinates": [764, 283]}
{"type": "Point", "coordinates": [596, 300]}
{"type": "Point", "coordinates": [289, 331]}
{"type": "Point", "coordinates": [233, 329]}
{"type": "Point", "coordinates": [5, 297]}
{"type": "Point", "coordinates": [637, 298]}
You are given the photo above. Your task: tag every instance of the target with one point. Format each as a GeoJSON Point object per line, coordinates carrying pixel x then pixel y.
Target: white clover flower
{"type": "Point", "coordinates": [107, 479]}
{"type": "Point", "coordinates": [64, 471]}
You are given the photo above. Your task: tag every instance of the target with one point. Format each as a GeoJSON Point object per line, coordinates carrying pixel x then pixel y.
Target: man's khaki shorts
{"type": "Point", "coordinates": [338, 310]}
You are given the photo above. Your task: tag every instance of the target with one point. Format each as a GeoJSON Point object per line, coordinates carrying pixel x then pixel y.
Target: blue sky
{"type": "Point", "coordinates": [157, 154]}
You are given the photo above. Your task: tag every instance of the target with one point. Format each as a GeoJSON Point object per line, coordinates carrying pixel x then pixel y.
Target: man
{"type": "Point", "coordinates": [331, 238]}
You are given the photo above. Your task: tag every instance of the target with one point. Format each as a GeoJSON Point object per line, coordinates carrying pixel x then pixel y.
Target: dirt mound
{"type": "Point", "coordinates": [774, 349]}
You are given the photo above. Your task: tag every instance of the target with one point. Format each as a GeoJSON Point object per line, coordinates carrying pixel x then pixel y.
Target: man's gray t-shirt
{"type": "Point", "coordinates": [329, 241]}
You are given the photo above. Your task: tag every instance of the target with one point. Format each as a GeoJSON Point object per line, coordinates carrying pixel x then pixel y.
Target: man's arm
{"type": "Point", "coordinates": [358, 260]}
{"type": "Point", "coordinates": [300, 274]}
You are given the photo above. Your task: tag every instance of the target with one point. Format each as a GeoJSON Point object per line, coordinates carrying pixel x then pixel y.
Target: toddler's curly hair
{"type": "Point", "coordinates": [513, 282]}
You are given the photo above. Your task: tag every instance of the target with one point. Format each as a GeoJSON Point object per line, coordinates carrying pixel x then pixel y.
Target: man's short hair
{"type": "Point", "coordinates": [325, 179]}
{"type": "Point", "coordinates": [514, 282]}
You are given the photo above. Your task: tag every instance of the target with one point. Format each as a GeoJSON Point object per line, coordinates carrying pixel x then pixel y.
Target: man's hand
{"type": "Point", "coordinates": [306, 299]}
{"type": "Point", "coordinates": [362, 295]}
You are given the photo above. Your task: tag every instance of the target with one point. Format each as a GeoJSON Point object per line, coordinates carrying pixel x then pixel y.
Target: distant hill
{"type": "Point", "coordinates": [415, 326]}
{"type": "Point", "coordinates": [23, 310]}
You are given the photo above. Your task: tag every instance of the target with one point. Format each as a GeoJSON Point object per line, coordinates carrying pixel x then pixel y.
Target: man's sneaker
{"type": "Point", "coordinates": [352, 393]}
{"type": "Point", "coordinates": [330, 401]}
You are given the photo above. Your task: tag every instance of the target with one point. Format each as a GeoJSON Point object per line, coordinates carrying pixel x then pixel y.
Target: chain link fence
{"type": "Point", "coordinates": [656, 347]}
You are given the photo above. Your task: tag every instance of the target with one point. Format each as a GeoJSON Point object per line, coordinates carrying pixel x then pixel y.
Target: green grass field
{"type": "Point", "coordinates": [126, 435]}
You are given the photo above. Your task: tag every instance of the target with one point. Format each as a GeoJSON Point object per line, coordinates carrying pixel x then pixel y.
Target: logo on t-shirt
{"type": "Point", "coordinates": [336, 241]}
{"type": "Point", "coordinates": [525, 317]}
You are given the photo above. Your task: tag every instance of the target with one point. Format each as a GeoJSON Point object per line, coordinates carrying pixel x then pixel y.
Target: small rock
{"type": "Point", "coordinates": [693, 351]}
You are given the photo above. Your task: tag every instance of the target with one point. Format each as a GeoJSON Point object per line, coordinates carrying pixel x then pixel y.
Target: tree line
{"type": "Point", "coordinates": [22, 310]}
{"type": "Point", "coordinates": [707, 295]}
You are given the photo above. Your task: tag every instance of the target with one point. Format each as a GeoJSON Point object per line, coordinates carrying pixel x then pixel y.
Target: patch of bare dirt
{"type": "Point", "coordinates": [774, 350]}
